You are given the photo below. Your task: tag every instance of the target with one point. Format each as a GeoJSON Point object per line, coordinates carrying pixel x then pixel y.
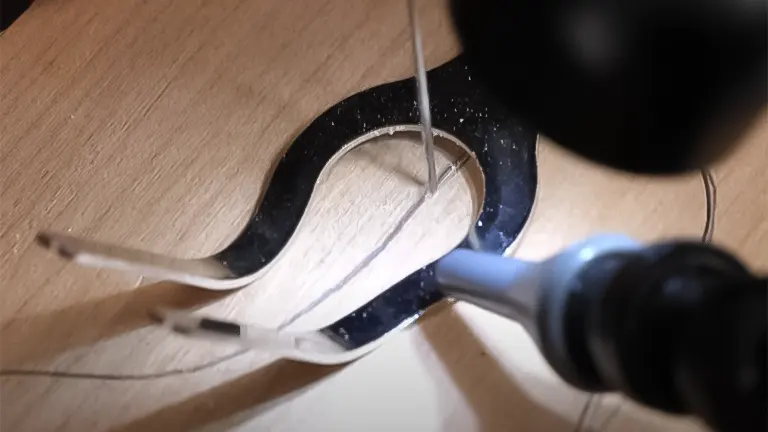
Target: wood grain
{"type": "Point", "coordinates": [153, 125]}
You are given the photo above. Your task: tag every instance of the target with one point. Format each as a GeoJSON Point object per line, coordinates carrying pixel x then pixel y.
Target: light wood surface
{"type": "Point", "coordinates": [153, 124]}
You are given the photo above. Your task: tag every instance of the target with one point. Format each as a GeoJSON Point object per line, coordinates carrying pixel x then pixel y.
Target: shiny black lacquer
{"type": "Point", "coordinates": [505, 149]}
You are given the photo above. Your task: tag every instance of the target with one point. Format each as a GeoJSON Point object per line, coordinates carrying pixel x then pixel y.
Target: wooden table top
{"type": "Point", "coordinates": [153, 124]}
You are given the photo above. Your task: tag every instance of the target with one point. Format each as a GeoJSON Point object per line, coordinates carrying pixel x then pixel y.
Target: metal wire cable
{"type": "Point", "coordinates": [443, 176]}
{"type": "Point", "coordinates": [710, 196]}
{"type": "Point", "coordinates": [122, 377]}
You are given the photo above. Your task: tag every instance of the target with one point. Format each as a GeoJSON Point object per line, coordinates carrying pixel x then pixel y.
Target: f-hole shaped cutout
{"type": "Point", "coordinates": [505, 150]}
{"type": "Point", "coordinates": [369, 223]}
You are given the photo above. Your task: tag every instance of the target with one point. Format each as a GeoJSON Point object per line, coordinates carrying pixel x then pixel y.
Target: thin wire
{"type": "Point", "coordinates": [422, 96]}
{"type": "Point", "coordinates": [582, 421]}
{"type": "Point", "coordinates": [710, 194]}
{"type": "Point", "coordinates": [611, 417]}
{"type": "Point", "coordinates": [122, 377]}
{"type": "Point", "coordinates": [444, 176]}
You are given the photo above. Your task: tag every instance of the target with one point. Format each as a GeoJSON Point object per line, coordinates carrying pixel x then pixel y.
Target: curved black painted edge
{"type": "Point", "coordinates": [505, 150]}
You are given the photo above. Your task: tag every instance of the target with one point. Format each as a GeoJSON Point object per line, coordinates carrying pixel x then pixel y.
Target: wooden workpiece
{"type": "Point", "coordinates": [154, 124]}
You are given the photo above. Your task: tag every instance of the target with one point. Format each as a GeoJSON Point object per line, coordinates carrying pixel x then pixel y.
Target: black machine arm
{"type": "Point", "coordinates": [679, 327]}
{"type": "Point", "coordinates": [649, 86]}
{"type": "Point", "coordinates": [653, 87]}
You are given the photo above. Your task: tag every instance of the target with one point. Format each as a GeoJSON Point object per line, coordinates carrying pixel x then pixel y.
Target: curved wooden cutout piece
{"type": "Point", "coordinates": [504, 148]}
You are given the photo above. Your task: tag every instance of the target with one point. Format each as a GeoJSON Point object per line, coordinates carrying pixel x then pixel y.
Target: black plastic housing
{"type": "Point", "coordinates": [648, 86]}
{"type": "Point", "coordinates": [679, 327]}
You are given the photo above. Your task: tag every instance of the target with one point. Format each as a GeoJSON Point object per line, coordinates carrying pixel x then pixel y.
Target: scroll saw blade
{"type": "Point", "coordinates": [427, 138]}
